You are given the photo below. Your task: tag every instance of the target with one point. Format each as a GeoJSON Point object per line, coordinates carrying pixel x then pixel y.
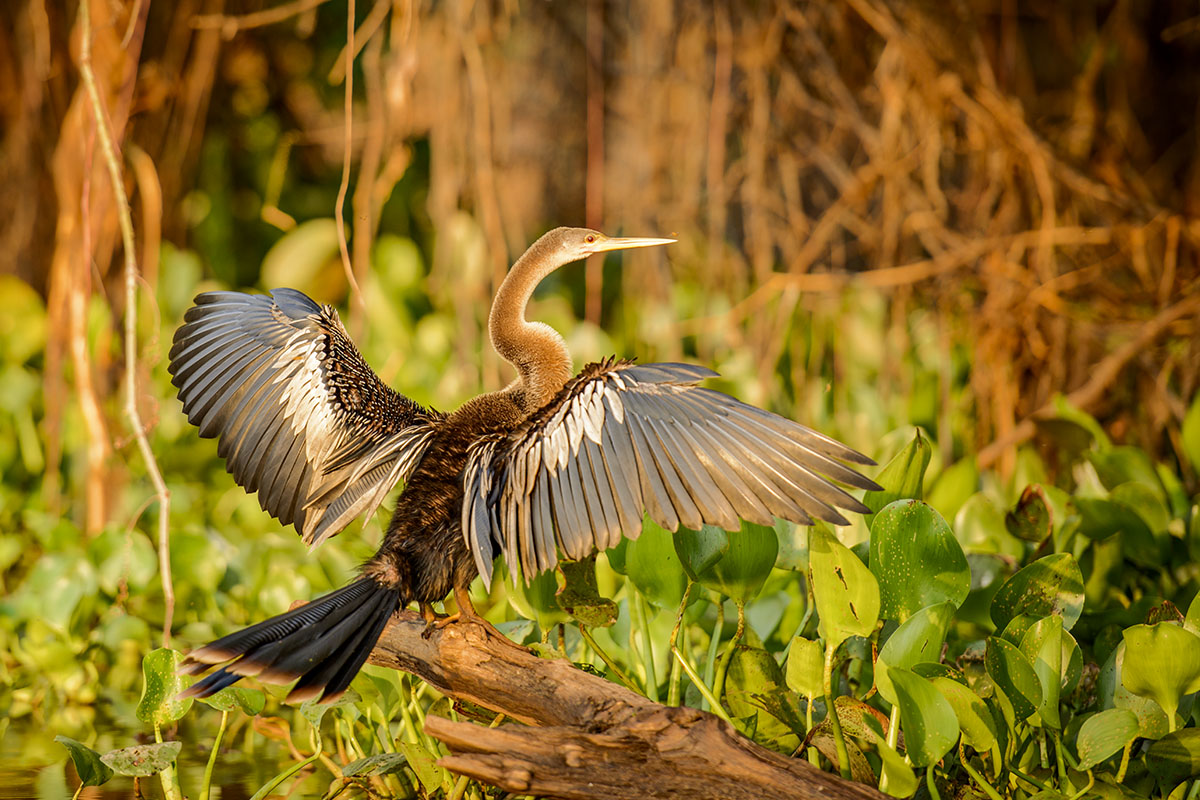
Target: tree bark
{"type": "Point", "coordinates": [585, 737]}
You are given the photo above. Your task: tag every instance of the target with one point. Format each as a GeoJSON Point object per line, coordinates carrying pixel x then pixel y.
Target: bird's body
{"type": "Point", "coordinates": [551, 464]}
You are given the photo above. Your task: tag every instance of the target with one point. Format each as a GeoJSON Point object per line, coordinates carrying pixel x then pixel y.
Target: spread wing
{"type": "Point", "coordinates": [300, 417]}
{"type": "Point", "coordinates": [621, 438]}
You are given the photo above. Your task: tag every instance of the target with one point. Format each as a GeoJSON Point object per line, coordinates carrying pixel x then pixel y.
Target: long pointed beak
{"type": "Point", "coordinates": [626, 242]}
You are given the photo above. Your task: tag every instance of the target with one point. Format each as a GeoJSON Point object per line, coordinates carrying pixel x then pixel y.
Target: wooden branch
{"type": "Point", "coordinates": [585, 737]}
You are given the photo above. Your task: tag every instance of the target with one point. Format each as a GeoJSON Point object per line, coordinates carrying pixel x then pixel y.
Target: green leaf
{"type": "Point", "coordinates": [916, 560]}
{"type": "Point", "coordinates": [1012, 672]}
{"type": "Point", "coordinates": [1042, 644]}
{"type": "Point", "coordinates": [755, 684]}
{"type": "Point", "coordinates": [537, 600]}
{"type": "Point", "coordinates": [699, 550]}
{"type": "Point", "coordinates": [1050, 585]}
{"type": "Point", "coordinates": [954, 487]}
{"type": "Point", "coordinates": [580, 597]}
{"type": "Point", "coordinates": [1104, 734]}
{"type": "Point", "coordinates": [901, 780]}
{"type": "Point", "coordinates": [654, 568]}
{"type": "Point", "coordinates": [1190, 438]}
{"type": "Point", "coordinates": [424, 764]}
{"type": "Point", "coordinates": [1031, 519]}
{"type": "Point", "coordinates": [919, 638]}
{"type": "Point", "coordinates": [974, 720]}
{"type": "Point", "coordinates": [1162, 662]}
{"type": "Point", "coordinates": [845, 592]}
{"type": "Point", "coordinates": [805, 667]}
{"type": "Point", "coordinates": [378, 764]}
{"type": "Point", "coordinates": [315, 710]}
{"type": "Point", "coordinates": [161, 685]}
{"type": "Point", "coordinates": [91, 770]}
{"type": "Point", "coordinates": [1111, 693]}
{"type": "Point", "coordinates": [930, 725]}
{"type": "Point", "coordinates": [143, 760]}
{"type": "Point", "coordinates": [902, 477]}
{"type": "Point", "coordinates": [733, 563]}
{"type": "Point", "coordinates": [249, 701]}
{"type": "Point", "coordinates": [306, 257]}
{"type": "Point", "coordinates": [1100, 518]}
{"type": "Point", "coordinates": [1175, 757]}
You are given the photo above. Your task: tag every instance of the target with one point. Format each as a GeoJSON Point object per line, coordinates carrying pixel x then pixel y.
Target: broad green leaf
{"type": "Point", "coordinates": [755, 677]}
{"type": "Point", "coordinates": [142, 760]}
{"type": "Point", "coordinates": [1042, 644]}
{"type": "Point", "coordinates": [901, 780]}
{"type": "Point", "coordinates": [314, 710]}
{"type": "Point", "coordinates": [91, 770]}
{"type": "Point", "coordinates": [1050, 585]}
{"type": "Point", "coordinates": [954, 487]}
{"type": "Point", "coordinates": [860, 768]}
{"type": "Point", "coordinates": [844, 590]}
{"type": "Point", "coordinates": [1162, 662]}
{"type": "Point", "coordinates": [916, 560]}
{"type": "Point", "coordinates": [919, 638]}
{"type": "Point", "coordinates": [793, 546]}
{"type": "Point", "coordinates": [1012, 672]}
{"type": "Point", "coordinates": [378, 764]}
{"type": "Point", "coordinates": [1064, 410]}
{"type": "Point", "coordinates": [738, 573]}
{"type": "Point", "coordinates": [161, 685]}
{"type": "Point", "coordinates": [654, 568]}
{"type": "Point", "coordinates": [1191, 621]}
{"type": "Point", "coordinates": [1175, 757]}
{"type": "Point", "coordinates": [1190, 434]}
{"type": "Point", "coordinates": [901, 478]}
{"type": "Point", "coordinates": [699, 550]}
{"type": "Point", "coordinates": [974, 720]}
{"type": "Point", "coordinates": [536, 600]}
{"type": "Point", "coordinates": [1123, 464]}
{"type": "Point", "coordinates": [424, 764]}
{"type": "Point", "coordinates": [1104, 734]}
{"type": "Point", "coordinates": [805, 667]}
{"type": "Point", "coordinates": [249, 701]}
{"type": "Point", "coordinates": [1100, 518]}
{"type": "Point", "coordinates": [1111, 693]}
{"type": "Point", "coordinates": [580, 598]}
{"type": "Point", "coordinates": [930, 726]}
{"type": "Point", "coordinates": [1031, 519]}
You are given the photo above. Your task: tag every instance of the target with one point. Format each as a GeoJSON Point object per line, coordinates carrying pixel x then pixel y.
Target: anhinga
{"type": "Point", "coordinates": [550, 463]}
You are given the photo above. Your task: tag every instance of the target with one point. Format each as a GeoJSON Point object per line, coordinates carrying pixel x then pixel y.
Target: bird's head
{"type": "Point", "coordinates": [572, 244]}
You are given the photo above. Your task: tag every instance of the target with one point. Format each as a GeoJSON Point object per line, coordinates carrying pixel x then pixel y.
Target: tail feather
{"type": "Point", "coordinates": [323, 643]}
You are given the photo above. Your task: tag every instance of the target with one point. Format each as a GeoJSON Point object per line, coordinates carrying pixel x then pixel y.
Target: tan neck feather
{"type": "Point", "coordinates": [534, 348]}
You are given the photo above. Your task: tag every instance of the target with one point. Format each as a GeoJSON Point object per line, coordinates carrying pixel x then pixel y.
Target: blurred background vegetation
{"type": "Point", "coordinates": [962, 216]}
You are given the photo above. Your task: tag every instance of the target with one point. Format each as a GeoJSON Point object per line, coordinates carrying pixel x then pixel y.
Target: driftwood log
{"type": "Point", "coordinates": [585, 737]}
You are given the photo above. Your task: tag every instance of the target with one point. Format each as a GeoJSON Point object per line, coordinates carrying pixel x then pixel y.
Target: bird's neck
{"type": "Point", "coordinates": [537, 351]}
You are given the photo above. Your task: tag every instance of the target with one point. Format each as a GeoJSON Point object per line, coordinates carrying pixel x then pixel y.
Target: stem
{"type": "Point", "coordinates": [931, 783]}
{"type": "Point", "coordinates": [638, 606]}
{"type": "Point", "coordinates": [270, 785]}
{"type": "Point", "coordinates": [212, 757]}
{"type": "Point", "coordinates": [717, 708]}
{"type": "Point", "coordinates": [714, 643]}
{"type": "Point", "coordinates": [168, 777]}
{"type": "Point", "coordinates": [723, 667]}
{"type": "Point", "coordinates": [1032, 781]}
{"type": "Point", "coordinates": [676, 670]}
{"type": "Point", "coordinates": [814, 755]}
{"type": "Point", "coordinates": [893, 738]}
{"type": "Point", "coordinates": [1191, 795]}
{"type": "Point", "coordinates": [125, 217]}
{"type": "Point", "coordinates": [1092, 782]}
{"type": "Point", "coordinates": [831, 711]}
{"type": "Point", "coordinates": [608, 662]}
{"type": "Point", "coordinates": [1063, 780]}
{"type": "Point", "coordinates": [975, 776]}
{"type": "Point", "coordinates": [1124, 761]}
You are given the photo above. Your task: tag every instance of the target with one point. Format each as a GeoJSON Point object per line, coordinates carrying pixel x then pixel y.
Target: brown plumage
{"type": "Point", "coordinates": [551, 464]}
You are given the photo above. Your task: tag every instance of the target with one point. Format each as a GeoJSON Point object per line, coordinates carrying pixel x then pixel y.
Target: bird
{"type": "Point", "coordinates": [553, 466]}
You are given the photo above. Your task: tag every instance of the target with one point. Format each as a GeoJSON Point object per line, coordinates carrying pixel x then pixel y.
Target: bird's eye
{"type": "Point", "coordinates": [590, 238]}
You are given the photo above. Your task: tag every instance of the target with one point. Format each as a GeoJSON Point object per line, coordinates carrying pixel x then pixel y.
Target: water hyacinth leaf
{"type": "Point", "coordinates": [741, 570]}
{"type": "Point", "coordinates": [1111, 693]}
{"type": "Point", "coordinates": [793, 546]}
{"type": "Point", "coordinates": [901, 781]}
{"type": "Point", "coordinates": [1175, 757]}
{"type": "Point", "coordinates": [654, 568]}
{"type": "Point", "coordinates": [1148, 504]}
{"type": "Point", "coordinates": [1042, 645]}
{"type": "Point", "coordinates": [1123, 464]}
{"type": "Point", "coordinates": [844, 590]}
{"type": "Point", "coordinates": [974, 720]}
{"type": "Point", "coordinates": [860, 768]}
{"type": "Point", "coordinates": [1050, 585]}
{"type": "Point", "coordinates": [91, 770]}
{"type": "Point", "coordinates": [1104, 734]}
{"type": "Point", "coordinates": [1013, 673]}
{"type": "Point", "coordinates": [314, 710]}
{"type": "Point", "coordinates": [1031, 520]}
{"type": "Point", "coordinates": [916, 560]}
{"type": "Point", "coordinates": [930, 725]}
{"type": "Point", "coordinates": [536, 600]}
{"type": "Point", "coordinates": [699, 550]}
{"type": "Point", "coordinates": [1190, 438]}
{"type": "Point", "coordinates": [249, 701]}
{"type": "Point", "coordinates": [142, 760]}
{"type": "Point", "coordinates": [1100, 518]}
{"type": "Point", "coordinates": [1191, 620]}
{"type": "Point", "coordinates": [902, 478]}
{"type": "Point", "coordinates": [754, 688]}
{"type": "Point", "coordinates": [580, 597]}
{"type": "Point", "coordinates": [805, 667]}
{"type": "Point", "coordinates": [616, 555]}
{"type": "Point", "coordinates": [378, 764]}
{"type": "Point", "coordinates": [160, 688]}
{"type": "Point", "coordinates": [1162, 662]}
{"type": "Point", "coordinates": [919, 638]}
{"type": "Point", "coordinates": [424, 764]}
{"type": "Point", "coordinates": [954, 487]}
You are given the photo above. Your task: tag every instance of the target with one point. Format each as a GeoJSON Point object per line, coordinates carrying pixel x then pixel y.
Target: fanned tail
{"type": "Point", "coordinates": [323, 643]}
